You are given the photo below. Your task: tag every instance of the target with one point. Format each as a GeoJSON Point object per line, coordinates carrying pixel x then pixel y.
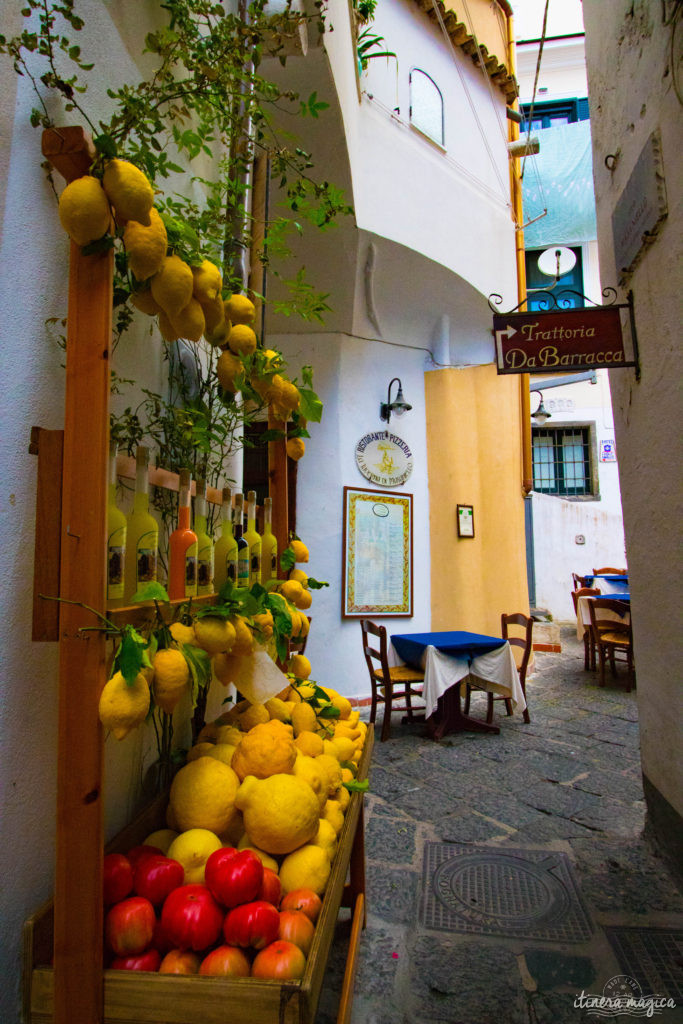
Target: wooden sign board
{"type": "Point", "coordinates": [560, 340]}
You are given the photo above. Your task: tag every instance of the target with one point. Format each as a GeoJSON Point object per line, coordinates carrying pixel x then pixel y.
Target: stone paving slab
{"type": "Point", "coordinates": [569, 780]}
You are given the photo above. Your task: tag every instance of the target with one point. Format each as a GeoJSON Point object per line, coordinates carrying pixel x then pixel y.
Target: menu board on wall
{"type": "Point", "coordinates": [378, 553]}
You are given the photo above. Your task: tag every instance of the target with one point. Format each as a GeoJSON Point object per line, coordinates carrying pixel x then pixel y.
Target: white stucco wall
{"type": "Point", "coordinates": [628, 53]}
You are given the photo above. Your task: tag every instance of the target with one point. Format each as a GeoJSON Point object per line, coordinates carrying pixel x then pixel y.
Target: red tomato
{"type": "Point", "coordinates": [233, 876]}
{"type": "Point", "coordinates": [156, 876]}
{"type": "Point", "coordinates": [281, 960]}
{"type": "Point", "coordinates": [229, 961]}
{"type": "Point", "coordinates": [117, 878]}
{"type": "Point", "coordinates": [271, 888]}
{"type": "Point", "coordinates": [136, 854]}
{"type": "Point", "coordinates": [180, 961]}
{"type": "Point", "coordinates": [296, 927]}
{"type": "Point", "coordinates": [148, 961]}
{"type": "Point", "coordinates": [303, 899]}
{"type": "Point", "coordinates": [129, 926]}
{"type": "Point", "coordinates": [191, 918]}
{"type": "Point", "coordinates": [251, 924]}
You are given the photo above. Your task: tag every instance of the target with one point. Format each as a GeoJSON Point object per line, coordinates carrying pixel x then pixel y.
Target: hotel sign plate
{"type": "Point", "coordinates": [560, 340]}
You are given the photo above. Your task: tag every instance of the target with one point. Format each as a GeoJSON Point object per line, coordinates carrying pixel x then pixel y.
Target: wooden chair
{"type": "Point", "coordinates": [612, 572]}
{"type": "Point", "coordinates": [526, 623]}
{"type": "Point", "coordinates": [611, 636]}
{"type": "Point", "coordinates": [588, 645]}
{"type": "Point", "coordinates": [579, 581]}
{"type": "Point", "coordinates": [383, 678]}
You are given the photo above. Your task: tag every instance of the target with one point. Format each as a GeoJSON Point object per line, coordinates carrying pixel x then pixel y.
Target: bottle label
{"type": "Point", "coordinates": [273, 564]}
{"type": "Point", "coordinates": [255, 566]}
{"type": "Point", "coordinates": [116, 558]}
{"type": "Point", "coordinates": [243, 568]}
{"type": "Point", "coordinates": [146, 559]}
{"type": "Point", "coordinates": [191, 571]}
{"type": "Point", "coordinates": [231, 569]}
{"type": "Point", "coordinates": [205, 571]}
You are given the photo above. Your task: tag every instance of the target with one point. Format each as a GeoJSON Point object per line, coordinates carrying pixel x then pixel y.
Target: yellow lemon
{"type": "Point", "coordinates": [326, 838]}
{"type": "Point", "coordinates": [145, 302]}
{"type": "Point", "coordinates": [244, 638]}
{"type": "Point", "coordinates": [226, 667]}
{"type": "Point", "coordinates": [192, 849]}
{"type": "Point", "coordinates": [84, 210]}
{"type": "Point", "coordinates": [333, 813]}
{"type": "Point", "coordinates": [228, 734]}
{"type": "Point", "coordinates": [330, 749]}
{"type": "Point", "coordinates": [162, 838]}
{"type": "Point", "coordinates": [295, 447]}
{"type": "Point", "coordinates": [183, 634]}
{"type": "Point", "coordinates": [300, 666]}
{"type": "Point", "coordinates": [145, 246]}
{"type": "Point", "coordinates": [344, 706]}
{"type": "Point", "coordinates": [228, 368]}
{"type": "Point", "coordinates": [305, 691]}
{"type": "Point", "coordinates": [214, 317]}
{"type": "Point", "coordinates": [300, 576]}
{"type": "Point", "coordinates": [347, 775]}
{"type": "Point", "coordinates": [214, 635]}
{"type": "Point", "coordinates": [309, 743]}
{"type": "Point", "coordinates": [344, 747]}
{"type": "Point", "coordinates": [234, 833]}
{"type": "Point", "coordinates": [343, 798]}
{"type": "Point", "coordinates": [123, 707]}
{"type": "Point", "coordinates": [264, 751]}
{"type": "Point", "coordinates": [203, 794]}
{"type": "Point", "coordinates": [300, 550]}
{"type": "Point", "coordinates": [240, 309]}
{"type": "Point", "coordinates": [189, 322]}
{"type": "Point", "coordinates": [265, 624]}
{"type": "Point", "coordinates": [255, 714]}
{"type": "Point", "coordinates": [242, 340]}
{"type": "Point", "coordinates": [245, 843]}
{"type": "Point", "coordinates": [329, 766]}
{"type": "Point", "coordinates": [277, 708]}
{"type": "Point", "coordinates": [280, 812]}
{"type": "Point", "coordinates": [217, 335]}
{"type": "Point", "coordinates": [283, 393]}
{"type": "Point", "coordinates": [306, 868]}
{"type": "Point", "coordinates": [303, 718]}
{"type": "Point", "coordinates": [304, 600]}
{"type": "Point", "coordinates": [172, 285]}
{"type": "Point", "coordinates": [306, 768]}
{"type": "Point", "coordinates": [353, 718]}
{"type": "Point", "coordinates": [171, 678]}
{"type": "Point", "coordinates": [166, 328]}
{"type": "Point", "coordinates": [291, 589]}
{"type": "Point", "coordinates": [128, 190]}
{"type": "Point", "coordinates": [200, 749]}
{"type": "Point", "coordinates": [222, 752]}
{"type": "Point", "coordinates": [208, 282]}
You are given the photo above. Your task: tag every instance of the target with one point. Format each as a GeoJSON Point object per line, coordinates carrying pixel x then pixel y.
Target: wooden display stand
{"type": "Point", "coordinates": [70, 564]}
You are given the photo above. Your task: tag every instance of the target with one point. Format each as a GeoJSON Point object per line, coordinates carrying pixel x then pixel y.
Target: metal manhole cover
{"type": "Point", "coordinates": [525, 893]}
{"type": "Point", "coordinates": [653, 956]}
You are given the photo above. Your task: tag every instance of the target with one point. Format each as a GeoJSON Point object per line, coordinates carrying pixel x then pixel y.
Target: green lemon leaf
{"type": "Point", "coordinates": [151, 592]}
{"type": "Point", "coordinates": [199, 664]}
{"type": "Point", "coordinates": [316, 584]}
{"type": "Point", "coordinates": [328, 712]}
{"type": "Point", "coordinates": [310, 406]}
{"type": "Point", "coordinates": [357, 787]}
{"type": "Point", "coordinates": [287, 559]}
{"type": "Point", "coordinates": [129, 657]}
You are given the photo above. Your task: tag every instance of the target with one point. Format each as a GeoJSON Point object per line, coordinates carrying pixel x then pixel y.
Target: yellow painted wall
{"type": "Point", "coordinates": [486, 21]}
{"type": "Point", "coordinates": [474, 458]}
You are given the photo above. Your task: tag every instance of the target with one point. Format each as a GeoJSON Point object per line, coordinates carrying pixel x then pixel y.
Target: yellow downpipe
{"type": "Point", "coordinates": [518, 214]}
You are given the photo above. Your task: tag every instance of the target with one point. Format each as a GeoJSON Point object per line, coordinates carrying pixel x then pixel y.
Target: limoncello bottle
{"type": "Point", "coordinates": [116, 539]}
{"type": "Point", "coordinates": [268, 544]}
{"type": "Point", "coordinates": [142, 533]}
{"type": "Point", "coordinates": [225, 552]}
{"type": "Point", "coordinates": [205, 550]}
{"type": "Point", "coordinates": [242, 545]}
{"type": "Point", "coordinates": [182, 547]}
{"type": "Point", "coordinates": [253, 539]}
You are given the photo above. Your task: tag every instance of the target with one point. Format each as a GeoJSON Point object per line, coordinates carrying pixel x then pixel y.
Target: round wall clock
{"type": "Point", "coordinates": [384, 459]}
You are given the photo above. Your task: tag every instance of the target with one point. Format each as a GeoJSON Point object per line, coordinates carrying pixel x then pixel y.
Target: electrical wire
{"type": "Point", "coordinates": [501, 123]}
{"type": "Point", "coordinates": [533, 94]}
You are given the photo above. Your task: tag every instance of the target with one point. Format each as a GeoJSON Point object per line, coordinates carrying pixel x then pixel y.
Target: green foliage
{"type": "Point", "coordinates": [129, 656]}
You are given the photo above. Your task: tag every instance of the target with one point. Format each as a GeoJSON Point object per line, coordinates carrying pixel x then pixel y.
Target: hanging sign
{"type": "Point", "coordinates": [560, 340]}
{"type": "Point", "coordinates": [384, 459]}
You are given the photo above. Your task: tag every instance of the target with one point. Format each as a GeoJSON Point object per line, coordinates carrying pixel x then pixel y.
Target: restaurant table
{"type": "Point", "coordinates": [450, 658]}
{"type": "Point", "coordinates": [583, 615]}
{"type": "Point", "coordinates": [609, 583]}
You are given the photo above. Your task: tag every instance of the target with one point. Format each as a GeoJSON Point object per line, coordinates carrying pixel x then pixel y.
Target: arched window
{"type": "Point", "coordinates": [426, 105]}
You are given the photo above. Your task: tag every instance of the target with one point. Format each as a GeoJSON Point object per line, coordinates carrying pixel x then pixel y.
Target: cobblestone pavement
{"type": "Point", "coordinates": [568, 784]}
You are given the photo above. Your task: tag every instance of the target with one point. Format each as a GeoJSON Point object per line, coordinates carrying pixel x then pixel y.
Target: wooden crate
{"type": "Point", "coordinates": [137, 998]}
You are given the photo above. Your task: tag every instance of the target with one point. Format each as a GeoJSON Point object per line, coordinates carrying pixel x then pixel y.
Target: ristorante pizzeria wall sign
{"type": "Point", "coordinates": [557, 340]}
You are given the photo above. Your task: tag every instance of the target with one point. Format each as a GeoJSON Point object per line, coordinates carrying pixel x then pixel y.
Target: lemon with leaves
{"type": "Point", "coordinates": [303, 718]}
{"type": "Point", "coordinates": [228, 368]}
{"type": "Point", "coordinates": [84, 210]}
{"type": "Point", "coordinates": [183, 634]}
{"type": "Point", "coordinates": [172, 285]}
{"type": "Point", "coordinates": [295, 447]}
{"type": "Point", "coordinates": [300, 666]}
{"type": "Point", "coordinates": [214, 634]}
{"type": "Point", "coordinates": [128, 190]}
{"type": "Point", "coordinates": [242, 340]}
{"type": "Point", "coordinates": [122, 706]}
{"type": "Point", "coordinates": [244, 638]}
{"type": "Point", "coordinates": [170, 679]}
{"type": "Point", "coordinates": [145, 245]}
{"type": "Point", "coordinates": [300, 550]}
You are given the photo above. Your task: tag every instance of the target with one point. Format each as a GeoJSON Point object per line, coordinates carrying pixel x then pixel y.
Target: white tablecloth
{"type": "Point", "coordinates": [583, 615]}
{"type": "Point", "coordinates": [495, 671]}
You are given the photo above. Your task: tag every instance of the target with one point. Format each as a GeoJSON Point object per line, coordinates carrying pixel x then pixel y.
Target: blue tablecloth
{"type": "Point", "coordinates": [410, 646]}
{"type": "Point", "coordinates": [607, 582]}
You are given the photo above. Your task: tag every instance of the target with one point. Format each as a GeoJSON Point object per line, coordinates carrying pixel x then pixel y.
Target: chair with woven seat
{"type": "Point", "coordinates": [611, 636]}
{"type": "Point", "coordinates": [525, 643]}
{"type": "Point", "coordinates": [588, 645]}
{"type": "Point", "coordinates": [383, 678]}
{"type": "Point", "coordinates": [607, 569]}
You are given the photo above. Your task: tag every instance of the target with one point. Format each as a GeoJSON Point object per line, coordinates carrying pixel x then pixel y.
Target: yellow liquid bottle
{"type": "Point", "coordinates": [182, 547]}
{"type": "Point", "coordinates": [142, 533]}
{"type": "Point", "coordinates": [268, 545]}
{"type": "Point", "coordinates": [242, 545]}
{"type": "Point", "coordinates": [116, 539]}
{"type": "Point", "coordinates": [225, 551]}
{"type": "Point", "coordinates": [253, 539]}
{"type": "Point", "coordinates": [205, 548]}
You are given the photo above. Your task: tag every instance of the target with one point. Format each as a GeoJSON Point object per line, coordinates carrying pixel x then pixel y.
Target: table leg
{"type": "Point", "coordinates": [450, 718]}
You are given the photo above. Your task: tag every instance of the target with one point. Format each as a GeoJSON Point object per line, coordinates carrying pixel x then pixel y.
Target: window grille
{"type": "Point", "coordinates": [561, 460]}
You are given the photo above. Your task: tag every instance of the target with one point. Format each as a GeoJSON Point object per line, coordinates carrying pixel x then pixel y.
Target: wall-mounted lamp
{"type": "Point", "coordinates": [398, 406]}
{"type": "Point", "coordinates": [541, 415]}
